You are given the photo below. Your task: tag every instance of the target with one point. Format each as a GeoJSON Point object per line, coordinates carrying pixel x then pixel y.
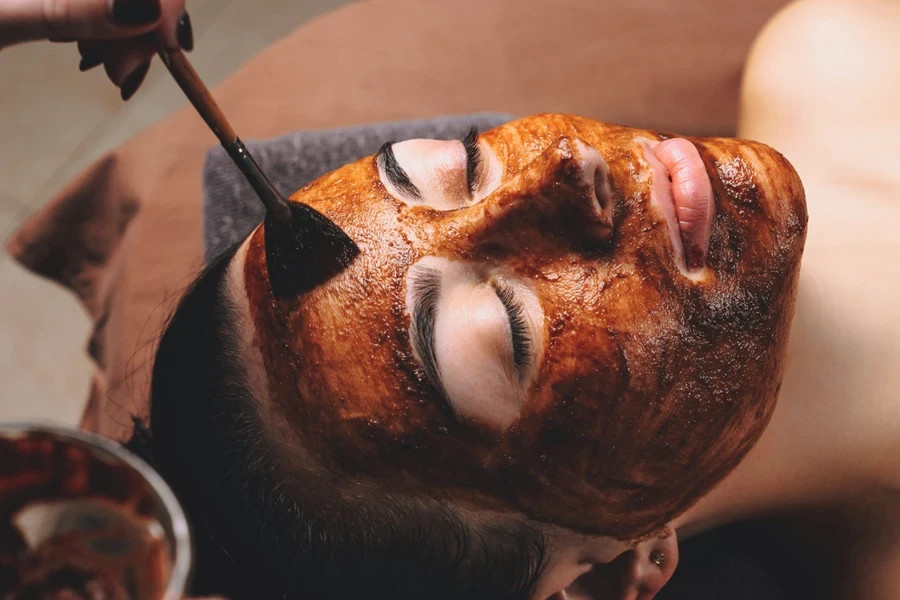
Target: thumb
{"type": "Point", "coordinates": [23, 20]}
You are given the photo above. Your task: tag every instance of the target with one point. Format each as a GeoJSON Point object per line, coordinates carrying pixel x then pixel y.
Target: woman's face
{"type": "Point", "coordinates": [561, 317]}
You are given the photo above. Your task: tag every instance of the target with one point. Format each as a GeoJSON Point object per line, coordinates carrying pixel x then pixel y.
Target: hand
{"type": "Point", "coordinates": [119, 34]}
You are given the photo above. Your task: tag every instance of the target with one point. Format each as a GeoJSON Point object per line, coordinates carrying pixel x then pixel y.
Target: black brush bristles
{"type": "Point", "coordinates": [304, 251]}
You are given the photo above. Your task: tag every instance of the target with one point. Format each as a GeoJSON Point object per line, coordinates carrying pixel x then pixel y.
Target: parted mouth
{"type": "Point", "coordinates": [683, 191]}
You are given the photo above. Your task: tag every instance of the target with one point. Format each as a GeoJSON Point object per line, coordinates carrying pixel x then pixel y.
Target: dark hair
{"type": "Point", "coordinates": [262, 532]}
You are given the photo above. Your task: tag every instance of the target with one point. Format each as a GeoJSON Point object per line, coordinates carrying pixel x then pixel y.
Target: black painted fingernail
{"type": "Point", "coordinates": [90, 60]}
{"type": "Point", "coordinates": [136, 12]}
{"type": "Point", "coordinates": [185, 33]}
{"type": "Point", "coordinates": [134, 81]}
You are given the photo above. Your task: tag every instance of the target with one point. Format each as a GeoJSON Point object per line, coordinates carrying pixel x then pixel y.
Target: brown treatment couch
{"type": "Point", "coordinates": [126, 235]}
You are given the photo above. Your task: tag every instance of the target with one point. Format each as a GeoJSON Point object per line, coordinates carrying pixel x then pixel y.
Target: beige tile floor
{"type": "Point", "coordinates": [53, 122]}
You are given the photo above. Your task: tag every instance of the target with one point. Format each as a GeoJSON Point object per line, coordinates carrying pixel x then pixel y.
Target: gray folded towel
{"type": "Point", "coordinates": [231, 209]}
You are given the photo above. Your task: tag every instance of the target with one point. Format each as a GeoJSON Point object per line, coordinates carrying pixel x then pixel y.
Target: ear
{"type": "Point", "coordinates": [638, 572]}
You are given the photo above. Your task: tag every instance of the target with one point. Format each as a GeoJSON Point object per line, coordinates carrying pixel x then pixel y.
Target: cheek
{"type": "Point", "coordinates": [583, 358]}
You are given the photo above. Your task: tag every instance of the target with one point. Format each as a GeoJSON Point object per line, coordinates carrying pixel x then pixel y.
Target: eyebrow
{"type": "Point", "coordinates": [426, 293]}
{"type": "Point", "coordinates": [394, 172]}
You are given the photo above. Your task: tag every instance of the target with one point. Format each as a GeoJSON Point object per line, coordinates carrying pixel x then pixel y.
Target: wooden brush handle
{"type": "Point", "coordinates": [197, 92]}
{"type": "Point", "coordinates": [199, 95]}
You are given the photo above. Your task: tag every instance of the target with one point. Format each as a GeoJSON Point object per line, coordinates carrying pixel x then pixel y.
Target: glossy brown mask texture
{"type": "Point", "coordinates": [651, 386]}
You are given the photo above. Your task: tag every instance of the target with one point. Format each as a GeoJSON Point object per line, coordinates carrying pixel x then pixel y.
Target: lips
{"type": "Point", "coordinates": [682, 190]}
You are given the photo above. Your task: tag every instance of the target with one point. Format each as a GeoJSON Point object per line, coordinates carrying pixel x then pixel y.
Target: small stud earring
{"type": "Point", "coordinates": [658, 557]}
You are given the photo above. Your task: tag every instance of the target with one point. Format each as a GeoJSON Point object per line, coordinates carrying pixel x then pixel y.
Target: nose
{"type": "Point", "coordinates": [564, 194]}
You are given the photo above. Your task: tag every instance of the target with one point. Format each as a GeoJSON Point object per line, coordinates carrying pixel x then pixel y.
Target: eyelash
{"type": "Point", "coordinates": [427, 286]}
{"type": "Point", "coordinates": [395, 173]}
{"type": "Point", "coordinates": [474, 160]}
{"type": "Point", "coordinates": [518, 327]}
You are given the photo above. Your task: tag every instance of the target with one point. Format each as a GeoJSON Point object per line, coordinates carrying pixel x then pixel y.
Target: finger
{"type": "Point", "coordinates": [127, 63]}
{"type": "Point", "coordinates": [80, 19]}
{"type": "Point", "coordinates": [175, 25]}
{"type": "Point", "coordinates": [91, 52]}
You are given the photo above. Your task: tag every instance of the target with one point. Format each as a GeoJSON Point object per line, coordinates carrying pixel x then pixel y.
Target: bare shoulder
{"type": "Point", "coordinates": [813, 47]}
{"type": "Point", "coordinates": [821, 83]}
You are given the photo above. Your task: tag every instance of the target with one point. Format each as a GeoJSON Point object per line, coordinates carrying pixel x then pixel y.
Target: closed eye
{"type": "Point", "coordinates": [474, 160]}
{"type": "Point", "coordinates": [427, 289]}
{"type": "Point", "coordinates": [387, 162]}
{"type": "Point", "coordinates": [477, 335]}
{"type": "Point", "coordinates": [521, 341]}
{"type": "Point", "coordinates": [440, 174]}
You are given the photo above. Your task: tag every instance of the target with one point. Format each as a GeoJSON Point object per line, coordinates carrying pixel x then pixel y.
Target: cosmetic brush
{"type": "Point", "coordinates": [303, 247]}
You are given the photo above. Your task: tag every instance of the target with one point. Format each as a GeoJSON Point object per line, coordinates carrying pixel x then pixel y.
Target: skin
{"type": "Point", "coordinates": [649, 382]}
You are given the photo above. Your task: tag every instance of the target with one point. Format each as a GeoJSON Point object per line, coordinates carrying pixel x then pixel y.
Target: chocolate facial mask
{"type": "Point", "coordinates": [578, 321]}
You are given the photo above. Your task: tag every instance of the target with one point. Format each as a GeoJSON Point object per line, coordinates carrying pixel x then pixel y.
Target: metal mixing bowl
{"type": "Point", "coordinates": [72, 501]}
